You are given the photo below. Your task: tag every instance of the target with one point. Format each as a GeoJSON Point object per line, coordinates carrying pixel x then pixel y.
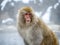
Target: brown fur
{"type": "Point", "coordinates": [36, 33]}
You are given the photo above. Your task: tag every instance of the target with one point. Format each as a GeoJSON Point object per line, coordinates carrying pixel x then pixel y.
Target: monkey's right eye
{"type": "Point", "coordinates": [26, 13]}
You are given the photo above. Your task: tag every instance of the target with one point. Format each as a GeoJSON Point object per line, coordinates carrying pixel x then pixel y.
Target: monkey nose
{"type": "Point", "coordinates": [27, 16]}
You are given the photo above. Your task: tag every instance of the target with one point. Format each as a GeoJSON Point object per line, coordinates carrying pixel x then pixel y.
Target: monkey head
{"type": "Point", "coordinates": [26, 15]}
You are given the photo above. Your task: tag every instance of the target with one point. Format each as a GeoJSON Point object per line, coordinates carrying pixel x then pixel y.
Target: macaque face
{"type": "Point", "coordinates": [27, 17]}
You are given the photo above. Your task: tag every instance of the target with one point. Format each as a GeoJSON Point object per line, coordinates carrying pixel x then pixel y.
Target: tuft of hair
{"type": "Point", "coordinates": [27, 8]}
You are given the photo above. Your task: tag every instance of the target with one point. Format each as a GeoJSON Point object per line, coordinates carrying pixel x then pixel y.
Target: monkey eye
{"type": "Point", "coordinates": [27, 13]}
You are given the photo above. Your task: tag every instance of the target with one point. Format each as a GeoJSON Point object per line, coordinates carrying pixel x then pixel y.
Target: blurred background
{"type": "Point", "coordinates": [48, 10]}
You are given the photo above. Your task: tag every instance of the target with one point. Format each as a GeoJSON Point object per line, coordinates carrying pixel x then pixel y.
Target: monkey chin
{"type": "Point", "coordinates": [27, 21]}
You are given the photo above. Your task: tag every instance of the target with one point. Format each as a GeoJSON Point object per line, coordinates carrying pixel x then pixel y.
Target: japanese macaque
{"type": "Point", "coordinates": [33, 30]}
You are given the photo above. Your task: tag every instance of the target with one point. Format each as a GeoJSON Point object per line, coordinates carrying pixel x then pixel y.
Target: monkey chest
{"type": "Point", "coordinates": [30, 35]}
{"type": "Point", "coordinates": [26, 34]}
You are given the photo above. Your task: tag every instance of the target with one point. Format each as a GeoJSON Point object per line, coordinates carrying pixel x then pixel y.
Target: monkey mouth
{"type": "Point", "coordinates": [27, 20]}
